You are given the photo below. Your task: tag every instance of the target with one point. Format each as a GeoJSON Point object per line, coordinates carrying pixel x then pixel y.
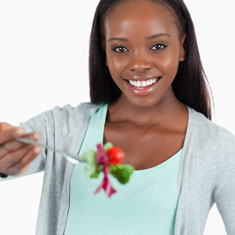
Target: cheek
{"type": "Point", "coordinates": [115, 64]}
{"type": "Point", "coordinates": [168, 63]}
{"type": "Point", "coordinates": [114, 61]}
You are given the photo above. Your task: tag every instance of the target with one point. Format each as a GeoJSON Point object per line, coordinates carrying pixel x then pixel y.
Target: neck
{"type": "Point", "coordinates": [167, 109]}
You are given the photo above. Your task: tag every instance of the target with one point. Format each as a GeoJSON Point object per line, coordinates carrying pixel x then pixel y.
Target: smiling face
{"type": "Point", "coordinates": [142, 42]}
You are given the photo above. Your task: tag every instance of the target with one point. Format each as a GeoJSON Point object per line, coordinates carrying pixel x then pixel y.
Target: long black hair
{"type": "Point", "coordinates": [190, 85]}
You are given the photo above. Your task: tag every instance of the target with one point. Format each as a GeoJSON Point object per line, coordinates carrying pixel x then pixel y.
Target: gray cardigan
{"type": "Point", "coordinates": [206, 175]}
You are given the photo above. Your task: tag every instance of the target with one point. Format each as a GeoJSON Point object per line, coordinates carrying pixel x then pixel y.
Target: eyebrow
{"type": "Point", "coordinates": [147, 38]}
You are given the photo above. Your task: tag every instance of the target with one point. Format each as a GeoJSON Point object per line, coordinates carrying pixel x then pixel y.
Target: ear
{"type": "Point", "coordinates": [182, 50]}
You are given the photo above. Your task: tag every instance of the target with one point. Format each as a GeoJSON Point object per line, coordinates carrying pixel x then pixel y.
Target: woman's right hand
{"type": "Point", "coordinates": [15, 157]}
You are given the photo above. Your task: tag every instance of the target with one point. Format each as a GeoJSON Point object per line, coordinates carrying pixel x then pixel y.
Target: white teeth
{"type": "Point", "coordinates": [142, 84]}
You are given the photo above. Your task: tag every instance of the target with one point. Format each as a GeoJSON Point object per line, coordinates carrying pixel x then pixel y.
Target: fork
{"type": "Point", "coordinates": [69, 156]}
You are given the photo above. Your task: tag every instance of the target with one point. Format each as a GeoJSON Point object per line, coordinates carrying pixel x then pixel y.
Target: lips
{"type": "Point", "coordinates": [143, 78]}
{"type": "Point", "coordinates": [141, 90]}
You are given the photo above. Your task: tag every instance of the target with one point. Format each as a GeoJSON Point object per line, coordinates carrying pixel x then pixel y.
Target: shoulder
{"type": "Point", "coordinates": [62, 116]}
{"type": "Point", "coordinates": [209, 133]}
{"type": "Point", "coordinates": [84, 109]}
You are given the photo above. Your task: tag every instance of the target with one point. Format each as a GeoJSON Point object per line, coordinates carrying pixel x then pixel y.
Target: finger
{"type": "Point", "coordinates": [6, 126]}
{"type": "Point", "coordinates": [12, 158]}
{"type": "Point", "coordinates": [23, 165]}
{"type": "Point", "coordinates": [9, 135]}
{"type": "Point", "coordinates": [14, 145]}
{"type": "Point", "coordinates": [33, 135]}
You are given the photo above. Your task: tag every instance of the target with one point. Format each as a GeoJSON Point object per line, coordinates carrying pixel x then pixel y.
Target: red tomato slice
{"type": "Point", "coordinates": [115, 154]}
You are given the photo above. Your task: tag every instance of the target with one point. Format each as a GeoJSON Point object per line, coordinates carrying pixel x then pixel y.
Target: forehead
{"type": "Point", "coordinates": [140, 17]}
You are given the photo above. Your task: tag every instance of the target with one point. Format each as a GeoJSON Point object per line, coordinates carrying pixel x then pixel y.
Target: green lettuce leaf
{"type": "Point", "coordinates": [122, 172]}
{"type": "Point", "coordinates": [91, 166]}
{"type": "Point", "coordinates": [107, 146]}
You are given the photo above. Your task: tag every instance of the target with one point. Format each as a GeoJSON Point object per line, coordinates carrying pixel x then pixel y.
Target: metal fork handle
{"type": "Point", "coordinates": [71, 157]}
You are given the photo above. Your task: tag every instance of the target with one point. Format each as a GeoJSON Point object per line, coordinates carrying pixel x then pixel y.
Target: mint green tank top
{"type": "Point", "coordinates": [145, 205]}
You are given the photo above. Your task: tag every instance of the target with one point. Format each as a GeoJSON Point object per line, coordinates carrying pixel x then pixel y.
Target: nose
{"type": "Point", "coordinates": [139, 65]}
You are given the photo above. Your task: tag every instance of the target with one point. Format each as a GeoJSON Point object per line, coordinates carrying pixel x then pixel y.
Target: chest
{"type": "Point", "coordinates": [144, 147]}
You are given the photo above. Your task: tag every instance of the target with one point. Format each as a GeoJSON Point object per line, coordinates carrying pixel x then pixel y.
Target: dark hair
{"type": "Point", "coordinates": [190, 83]}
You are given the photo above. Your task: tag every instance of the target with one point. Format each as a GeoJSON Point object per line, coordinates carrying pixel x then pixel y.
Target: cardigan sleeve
{"type": "Point", "coordinates": [224, 188]}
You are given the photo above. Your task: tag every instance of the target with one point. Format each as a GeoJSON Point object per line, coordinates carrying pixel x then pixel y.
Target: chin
{"type": "Point", "coordinates": [143, 102]}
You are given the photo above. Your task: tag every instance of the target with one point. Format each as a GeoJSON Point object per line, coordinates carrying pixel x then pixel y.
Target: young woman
{"type": "Point", "coordinates": [149, 97]}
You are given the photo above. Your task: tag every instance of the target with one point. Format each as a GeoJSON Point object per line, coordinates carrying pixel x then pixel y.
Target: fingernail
{"type": "Point", "coordinates": [38, 150]}
{"type": "Point", "coordinates": [37, 135]}
{"type": "Point", "coordinates": [19, 131]}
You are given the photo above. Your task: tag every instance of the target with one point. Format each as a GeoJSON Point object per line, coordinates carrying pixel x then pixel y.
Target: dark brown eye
{"type": "Point", "coordinates": [119, 49]}
{"type": "Point", "coordinates": [159, 46]}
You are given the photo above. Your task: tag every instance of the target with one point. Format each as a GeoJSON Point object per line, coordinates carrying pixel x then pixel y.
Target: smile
{"type": "Point", "coordinates": [140, 87]}
{"type": "Point", "coordinates": [146, 83]}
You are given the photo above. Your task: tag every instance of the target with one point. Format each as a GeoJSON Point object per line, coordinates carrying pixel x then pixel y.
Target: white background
{"type": "Point", "coordinates": [44, 63]}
